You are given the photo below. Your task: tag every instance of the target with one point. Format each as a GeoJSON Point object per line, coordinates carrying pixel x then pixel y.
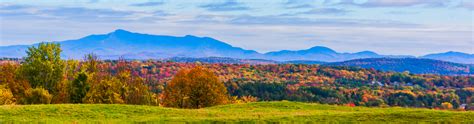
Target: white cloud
{"type": "Point", "coordinates": [396, 3]}
{"type": "Point", "coordinates": [227, 5]}
{"type": "Point", "coordinates": [25, 24]}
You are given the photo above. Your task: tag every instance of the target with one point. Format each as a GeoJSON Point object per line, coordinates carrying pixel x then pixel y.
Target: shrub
{"type": "Point", "coordinates": [105, 92]}
{"type": "Point", "coordinates": [195, 88]}
{"type": "Point", "coordinates": [374, 102]}
{"type": "Point", "coordinates": [242, 99]}
{"type": "Point", "coordinates": [446, 105]}
{"type": "Point", "coordinates": [247, 99]}
{"type": "Point", "coordinates": [6, 96]}
{"type": "Point", "coordinates": [37, 96]}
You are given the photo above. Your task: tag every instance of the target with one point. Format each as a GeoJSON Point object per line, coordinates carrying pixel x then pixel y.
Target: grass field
{"type": "Point", "coordinates": [290, 112]}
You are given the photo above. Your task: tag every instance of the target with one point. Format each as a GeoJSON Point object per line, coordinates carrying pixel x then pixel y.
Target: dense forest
{"type": "Point", "coordinates": [47, 78]}
{"type": "Point", "coordinates": [414, 65]}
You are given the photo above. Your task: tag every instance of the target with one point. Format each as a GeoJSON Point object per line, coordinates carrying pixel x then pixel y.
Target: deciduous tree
{"type": "Point", "coordinates": [13, 81]}
{"type": "Point", "coordinates": [195, 88]}
{"type": "Point", "coordinates": [43, 66]}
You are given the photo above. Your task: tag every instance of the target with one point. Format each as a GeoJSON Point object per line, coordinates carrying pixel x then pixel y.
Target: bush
{"type": "Point", "coordinates": [247, 99]}
{"type": "Point", "coordinates": [375, 102]}
{"type": "Point", "coordinates": [446, 105]}
{"type": "Point", "coordinates": [37, 96]}
{"type": "Point", "coordinates": [6, 96]}
{"type": "Point", "coordinates": [195, 88]}
{"type": "Point", "coordinates": [104, 92]}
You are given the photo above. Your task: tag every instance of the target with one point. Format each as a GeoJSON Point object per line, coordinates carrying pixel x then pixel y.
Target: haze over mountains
{"type": "Point", "coordinates": [144, 46]}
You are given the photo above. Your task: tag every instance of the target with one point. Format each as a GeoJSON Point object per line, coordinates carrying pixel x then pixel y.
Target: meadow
{"type": "Point", "coordinates": [256, 112]}
{"type": "Point", "coordinates": [54, 90]}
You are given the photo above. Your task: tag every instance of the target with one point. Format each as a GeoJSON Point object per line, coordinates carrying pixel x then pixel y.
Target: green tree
{"type": "Point", "coordinates": [195, 88]}
{"type": "Point", "coordinates": [402, 98]}
{"type": "Point", "coordinates": [43, 66]}
{"type": "Point", "coordinates": [79, 88]}
{"type": "Point", "coordinates": [91, 62]}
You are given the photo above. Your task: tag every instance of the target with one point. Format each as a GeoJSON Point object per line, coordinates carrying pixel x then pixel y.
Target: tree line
{"type": "Point", "coordinates": [43, 77]}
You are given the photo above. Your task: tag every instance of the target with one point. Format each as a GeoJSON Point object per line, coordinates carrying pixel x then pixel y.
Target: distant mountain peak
{"type": "Point", "coordinates": [450, 53]}
{"type": "Point", "coordinates": [452, 56]}
{"type": "Point", "coordinates": [120, 32]}
{"type": "Point", "coordinates": [321, 49]}
{"type": "Point", "coordinates": [191, 36]}
{"type": "Point", "coordinates": [454, 53]}
{"type": "Point", "coordinates": [367, 53]}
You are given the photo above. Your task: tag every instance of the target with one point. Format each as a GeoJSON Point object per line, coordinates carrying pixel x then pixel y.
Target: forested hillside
{"type": "Point", "coordinates": [413, 65]}
{"type": "Point", "coordinates": [295, 82]}
{"type": "Point", "coordinates": [43, 77]}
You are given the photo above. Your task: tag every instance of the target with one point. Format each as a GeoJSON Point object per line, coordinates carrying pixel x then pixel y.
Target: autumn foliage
{"type": "Point", "coordinates": [195, 88]}
{"type": "Point", "coordinates": [43, 77]}
{"type": "Point", "coordinates": [6, 96]}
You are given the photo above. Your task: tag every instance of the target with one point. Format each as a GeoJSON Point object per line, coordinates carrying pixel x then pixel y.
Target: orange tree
{"type": "Point", "coordinates": [195, 88]}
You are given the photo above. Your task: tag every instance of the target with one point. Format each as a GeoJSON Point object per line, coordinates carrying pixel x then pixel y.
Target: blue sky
{"type": "Point", "coordinates": [402, 27]}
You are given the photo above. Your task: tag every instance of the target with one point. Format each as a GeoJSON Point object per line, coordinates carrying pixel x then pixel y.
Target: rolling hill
{"type": "Point", "coordinates": [223, 60]}
{"type": "Point", "coordinates": [413, 65]}
{"type": "Point", "coordinates": [318, 53]}
{"type": "Point", "coordinates": [238, 61]}
{"type": "Point", "coordinates": [452, 56]}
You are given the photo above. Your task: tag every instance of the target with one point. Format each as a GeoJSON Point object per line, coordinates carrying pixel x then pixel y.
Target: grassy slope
{"type": "Point", "coordinates": [261, 111]}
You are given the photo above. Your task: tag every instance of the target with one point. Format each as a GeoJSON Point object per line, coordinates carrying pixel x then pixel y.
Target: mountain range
{"type": "Point", "coordinates": [122, 43]}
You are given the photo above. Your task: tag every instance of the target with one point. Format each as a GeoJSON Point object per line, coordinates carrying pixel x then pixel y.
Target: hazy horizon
{"type": "Point", "coordinates": [309, 47]}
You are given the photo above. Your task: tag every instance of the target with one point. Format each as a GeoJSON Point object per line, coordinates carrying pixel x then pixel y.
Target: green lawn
{"type": "Point", "coordinates": [290, 112]}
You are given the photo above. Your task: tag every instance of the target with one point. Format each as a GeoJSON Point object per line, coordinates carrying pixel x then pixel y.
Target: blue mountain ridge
{"type": "Point", "coordinates": [130, 45]}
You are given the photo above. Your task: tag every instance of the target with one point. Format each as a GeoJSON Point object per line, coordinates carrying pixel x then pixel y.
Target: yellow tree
{"type": "Point", "coordinates": [195, 88]}
{"type": "Point", "coordinates": [12, 80]}
{"type": "Point", "coordinates": [6, 96]}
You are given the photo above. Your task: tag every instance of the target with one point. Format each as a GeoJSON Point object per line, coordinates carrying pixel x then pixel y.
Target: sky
{"type": "Point", "coordinates": [395, 27]}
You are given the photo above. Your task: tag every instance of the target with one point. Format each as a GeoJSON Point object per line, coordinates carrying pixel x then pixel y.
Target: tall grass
{"type": "Point", "coordinates": [291, 112]}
